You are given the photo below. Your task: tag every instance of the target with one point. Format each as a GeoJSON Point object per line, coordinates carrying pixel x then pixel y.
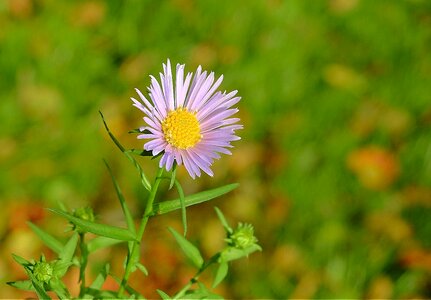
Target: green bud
{"type": "Point", "coordinates": [242, 237]}
{"type": "Point", "coordinates": [84, 213]}
{"type": "Point", "coordinates": [43, 271]}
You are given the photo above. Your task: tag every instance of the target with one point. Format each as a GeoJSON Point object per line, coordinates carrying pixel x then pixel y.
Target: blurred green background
{"type": "Point", "coordinates": [334, 162]}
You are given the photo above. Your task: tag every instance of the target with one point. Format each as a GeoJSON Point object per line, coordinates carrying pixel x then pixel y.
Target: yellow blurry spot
{"type": "Point", "coordinates": [380, 288]}
{"type": "Point", "coordinates": [376, 167]}
{"type": "Point", "coordinates": [181, 128]}
{"type": "Point", "coordinates": [343, 77]}
{"type": "Point", "coordinates": [343, 6]}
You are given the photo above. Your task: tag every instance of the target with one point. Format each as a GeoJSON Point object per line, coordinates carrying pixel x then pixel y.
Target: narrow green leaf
{"type": "Point", "coordinates": [20, 260]}
{"type": "Point", "coordinates": [50, 241]}
{"type": "Point", "coordinates": [97, 228]}
{"type": "Point", "coordinates": [137, 130]}
{"type": "Point", "coordinates": [66, 254]}
{"type": "Point", "coordinates": [139, 152]}
{"type": "Point", "coordinates": [61, 205]}
{"type": "Point", "coordinates": [101, 242]}
{"type": "Point", "coordinates": [164, 207]}
{"type": "Point", "coordinates": [128, 288]}
{"type": "Point", "coordinates": [183, 206]}
{"type": "Point", "coordinates": [233, 253]}
{"type": "Point", "coordinates": [98, 294]}
{"type": "Point", "coordinates": [173, 175]}
{"type": "Point", "coordinates": [59, 288]}
{"type": "Point", "coordinates": [142, 268]}
{"type": "Point", "coordinates": [25, 285]}
{"type": "Point", "coordinates": [220, 274]}
{"type": "Point", "coordinates": [101, 277]}
{"type": "Point", "coordinates": [124, 207]}
{"type": "Point", "coordinates": [223, 220]}
{"type": "Point", "coordinates": [40, 291]}
{"type": "Point", "coordinates": [61, 267]}
{"type": "Point", "coordinates": [200, 294]}
{"type": "Point", "coordinates": [163, 295]}
{"type": "Point", "coordinates": [144, 179]}
{"type": "Point", "coordinates": [191, 252]}
{"type": "Point", "coordinates": [206, 294]}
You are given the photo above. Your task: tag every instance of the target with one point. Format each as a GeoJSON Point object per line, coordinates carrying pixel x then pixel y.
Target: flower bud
{"type": "Point", "coordinates": [84, 213]}
{"type": "Point", "coordinates": [242, 237]}
{"type": "Point", "coordinates": [43, 271]}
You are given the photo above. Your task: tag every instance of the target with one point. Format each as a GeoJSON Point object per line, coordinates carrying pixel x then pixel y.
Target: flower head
{"type": "Point", "coordinates": [188, 121]}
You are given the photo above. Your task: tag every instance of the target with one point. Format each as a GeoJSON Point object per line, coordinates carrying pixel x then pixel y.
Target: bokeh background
{"type": "Point", "coordinates": [334, 162]}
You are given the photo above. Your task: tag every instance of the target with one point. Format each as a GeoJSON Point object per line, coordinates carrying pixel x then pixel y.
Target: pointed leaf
{"type": "Point", "coordinates": [124, 207]}
{"type": "Point", "coordinates": [223, 220]}
{"type": "Point", "coordinates": [97, 228]}
{"type": "Point", "coordinates": [128, 288]}
{"type": "Point", "coordinates": [142, 268]}
{"type": "Point", "coordinates": [233, 253]}
{"type": "Point", "coordinates": [25, 285]}
{"type": "Point", "coordinates": [136, 130]}
{"type": "Point", "coordinates": [172, 205]}
{"type": "Point", "coordinates": [101, 277]}
{"type": "Point", "coordinates": [61, 267]}
{"type": "Point", "coordinates": [40, 291]}
{"type": "Point", "coordinates": [59, 288]}
{"type": "Point", "coordinates": [98, 294]}
{"type": "Point", "coordinates": [20, 260]}
{"type": "Point", "coordinates": [220, 274]}
{"type": "Point", "coordinates": [191, 252]}
{"type": "Point", "coordinates": [50, 241]}
{"type": "Point", "coordinates": [183, 206]}
{"type": "Point", "coordinates": [144, 179]}
{"type": "Point", "coordinates": [173, 175]}
{"type": "Point", "coordinates": [140, 152]}
{"type": "Point", "coordinates": [69, 249]}
{"type": "Point", "coordinates": [200, 294]}
{"type": "Point", "coordinates": [101, 242]}
{"type": "Point", "coordinates": [66, 256]}
{"type": "Point", "coordinates": [62, 206]}
{"type": "Point", "coordinates": [164, 295]}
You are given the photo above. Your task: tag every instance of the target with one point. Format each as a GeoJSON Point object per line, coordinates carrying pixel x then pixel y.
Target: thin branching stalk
{"type": "Point", "coordinates": [134, 255]}
{"type": "Point", "coordinates": [83, 263]}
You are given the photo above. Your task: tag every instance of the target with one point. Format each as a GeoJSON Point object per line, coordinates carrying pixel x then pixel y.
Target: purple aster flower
{"type": "Point", "coordinates": [189, 122]}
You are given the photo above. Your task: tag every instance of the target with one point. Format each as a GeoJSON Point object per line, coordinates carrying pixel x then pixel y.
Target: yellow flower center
{"type": "Point", "coordinates": [181, 128]}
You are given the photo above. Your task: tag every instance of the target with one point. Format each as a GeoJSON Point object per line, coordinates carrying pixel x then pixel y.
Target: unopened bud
{"type": "Point", "coordinates": [242, 237]}
{"type": "Point", "coordinates": [43, 271]}
{"type": "Point", "coordinates": [84, 213]}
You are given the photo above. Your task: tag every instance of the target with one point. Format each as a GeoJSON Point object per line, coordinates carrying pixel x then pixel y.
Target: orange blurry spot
{"type": "Point", "coordinates": [20, 8]}
{"type": "Point", "coordinates": [21, 212]}
{"type": "Point", "coordinates": [90, 14]}
{"type": "Point", "coordinates": [417, 258]}
{"type": "Point", "coordinates": [375, 167]}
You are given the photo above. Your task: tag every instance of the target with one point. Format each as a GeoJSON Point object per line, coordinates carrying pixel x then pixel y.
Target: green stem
{"type": "Point", "coordinates": [134, 255]}
{"type": "Point", "coordinates": [83, 263]}
{"type": "Point", "coordinates": [195, 278]}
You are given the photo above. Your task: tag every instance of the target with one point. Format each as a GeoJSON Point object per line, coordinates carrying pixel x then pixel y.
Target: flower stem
{"type": "Point", "coordinates": [195, 278]}
{"type": "Point", "coordinates": [83, 264]}
{"type": "Point", "coordinates": [135, 252]}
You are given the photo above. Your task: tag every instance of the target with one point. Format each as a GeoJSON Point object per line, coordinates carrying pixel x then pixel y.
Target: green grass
{"type": "Point", "coordinates": [319, 81]}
